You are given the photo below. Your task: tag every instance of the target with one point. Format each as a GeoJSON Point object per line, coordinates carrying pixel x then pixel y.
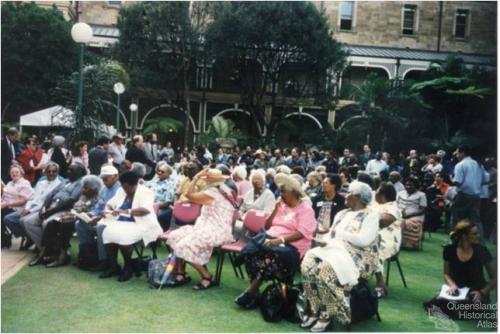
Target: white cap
{"type": "Point", "coordinates": [108, 170]}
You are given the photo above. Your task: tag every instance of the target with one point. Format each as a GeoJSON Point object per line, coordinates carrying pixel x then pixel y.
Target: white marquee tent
{"type": "Point", "coordinates": [53, 116]}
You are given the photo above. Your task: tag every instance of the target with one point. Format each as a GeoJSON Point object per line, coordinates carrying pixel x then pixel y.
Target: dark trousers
{"type": "Point", "coordinates": [57, 235]}
{"type": "Point", "coordinates": [164, 218]}
{"type": "Point", "coordinates": [467, 207]}
{"type": "Point", "coordinates": [6, 236]}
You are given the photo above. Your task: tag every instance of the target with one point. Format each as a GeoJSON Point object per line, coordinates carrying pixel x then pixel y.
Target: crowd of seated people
{"type": "Point", "coordinates": [333, 220]}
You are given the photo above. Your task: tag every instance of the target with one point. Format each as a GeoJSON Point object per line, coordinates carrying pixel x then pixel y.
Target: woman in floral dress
{"type": "Point", "coordinates": [333, 269]}
{"type": "Point", "coordinates": [194, 243]}
{"type": "Point", "coordinates": [390, 231]}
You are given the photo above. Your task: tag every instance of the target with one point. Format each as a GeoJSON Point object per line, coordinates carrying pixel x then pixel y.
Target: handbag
{"type": "Point", "coordinates": [364, 302]}
{"type": "Point", "coordinates": [255, 220]}
{"type": "Point", "coordinates": [186, 212]}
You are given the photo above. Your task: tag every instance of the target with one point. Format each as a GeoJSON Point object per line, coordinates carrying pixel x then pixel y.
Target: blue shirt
{"type": "Point", "coordinates": [164, 189]}
{"type": "Point", "coordinates": [104, 196]}
{"type": "Point", "coordinates": [469, 177]}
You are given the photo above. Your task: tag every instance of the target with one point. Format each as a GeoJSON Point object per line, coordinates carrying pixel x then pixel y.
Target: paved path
{"type": "Point", "coordinates": [13, 260]}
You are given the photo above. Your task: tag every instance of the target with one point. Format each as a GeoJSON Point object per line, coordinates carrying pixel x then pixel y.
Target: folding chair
{"type": "Point", "coordinates": [253, 225]}
{"type": "Point", "coordinates": [395, 258]}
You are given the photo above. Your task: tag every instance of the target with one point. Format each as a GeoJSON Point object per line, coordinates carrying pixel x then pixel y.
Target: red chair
{"type": "Point", "coordinates": [254, 221]}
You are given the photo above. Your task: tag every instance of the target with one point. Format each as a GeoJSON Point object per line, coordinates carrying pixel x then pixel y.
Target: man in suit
{"type": "Point", "coordinates": [98, 156]}
{"type": "Point", "coordinates": [151, 150]}
{"type": "Point", "coordinates": [136, 153]}
{"type": "Point", "coordinates": [10, 151]}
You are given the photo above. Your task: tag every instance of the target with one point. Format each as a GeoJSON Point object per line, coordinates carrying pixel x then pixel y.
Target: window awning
{"type": "Point", "coordinates": [413, 54]}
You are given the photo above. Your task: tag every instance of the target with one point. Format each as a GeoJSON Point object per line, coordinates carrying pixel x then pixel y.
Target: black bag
{"type": "Point", "coordinates": [364, 302]}
{"type": "Point", "coordinates": [293, 304]}
{"type": "Point", "coordinates": [271, 303]}
{"type": "Point", "coordinates": [276, 304]}
{"type": "Point", "coordinates": [141, 264]}
{"type": "Point", "coordinates": [87, 256]}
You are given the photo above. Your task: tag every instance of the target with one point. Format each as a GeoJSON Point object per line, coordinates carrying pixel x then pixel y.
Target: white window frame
{"type": "Point", "coordinates": [353, 21]}
{"type": "Point", "coordinates": [467, 23]}
{"type": "Point", "coordinates": [416, 19]}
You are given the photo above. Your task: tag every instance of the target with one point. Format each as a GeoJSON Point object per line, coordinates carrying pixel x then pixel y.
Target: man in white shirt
{"type": "Point", "coordinates": [375, 166]}
{"type": "Point", "coordinates": [117, 150]}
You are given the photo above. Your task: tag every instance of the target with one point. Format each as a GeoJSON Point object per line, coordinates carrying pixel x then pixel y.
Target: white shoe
{"type": "Point", "coordinates": [308, 322]}
{"type": "Point", "coordinates": [320, 326]}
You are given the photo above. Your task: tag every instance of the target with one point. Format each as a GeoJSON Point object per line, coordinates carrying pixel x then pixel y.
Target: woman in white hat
{"type": "Point", "coordinates": [350, 253]}
{"type": "Point", "coordinates": [288, 236]}
{"type": "Point", "coordinates": [194, 243]}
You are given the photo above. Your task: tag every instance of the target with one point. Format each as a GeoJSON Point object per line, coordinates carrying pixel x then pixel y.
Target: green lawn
{"type": "Point", "coordinates": [69, 300]}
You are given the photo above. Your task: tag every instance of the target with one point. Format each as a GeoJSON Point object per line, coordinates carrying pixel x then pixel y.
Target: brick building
{"type": "Point", "coordinates": [395, 39]}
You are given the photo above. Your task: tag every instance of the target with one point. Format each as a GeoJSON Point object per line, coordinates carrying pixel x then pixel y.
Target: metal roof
{"type": "Point", "coordinates": [414, 54]}
{"type": "Point", "coordinates": [360, 50]}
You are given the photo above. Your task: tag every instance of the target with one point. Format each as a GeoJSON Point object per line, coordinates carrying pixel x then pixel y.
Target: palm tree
{"type": "Point", "coordinates": [382, 107]}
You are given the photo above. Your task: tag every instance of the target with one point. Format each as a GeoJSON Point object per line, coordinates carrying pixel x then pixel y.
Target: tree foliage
{"type": "Point", "coordinates": [162, 125]}
{"type": "Point", "coordinates": [37, 51]}
{"type": "Point", "coordinates": [223, 128]}
{"type": "Point", "coordinates": [463, 103]}
{"type": "Point", "coordinates": [97, 96]}
{"type": "Point", "coordinates": [290, 42]}
{"type": "Point", "coordinates": [387, 114]}
{"type": "Point", "coordinates": [160, 43]}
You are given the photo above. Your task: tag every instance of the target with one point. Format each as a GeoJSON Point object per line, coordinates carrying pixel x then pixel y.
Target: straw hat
{"type": "Point", "coordinates": [289, 182]}
{"type": "Point", "coordinates": [214, 175]}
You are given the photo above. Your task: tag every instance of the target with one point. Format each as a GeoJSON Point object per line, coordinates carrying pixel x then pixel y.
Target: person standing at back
{"type": "Point", "coordinates": [10, 151]}
{"type": "Point", "coordinates": [136, 152]}
{"type": "Point", "coordinates": [117, 150]}
{"type": "Point", "coordinates": [468, 178]}
{"type": "Point", "coordinates": [151, 150]}
{"type": "Point", "coordinates": [98, 156]}
{"type": "Point", "coordinates": [366, 156]}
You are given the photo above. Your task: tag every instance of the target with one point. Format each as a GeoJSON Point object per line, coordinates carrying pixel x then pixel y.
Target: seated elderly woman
{"type": "Point", "coordinates": [240, 178]}
{"type": "Point", "coordinates": [313, 184]}
{"type": "Point", "coordinates": [333, 269]}
{"type": "Point", "coordinates": [34, 205]}
{"type": "Point", "coordinates": [194, 243]}
{"type": "Point", "coordinates": [14, 196]}
{"type": "Point", "coordinates": [58, 232]}
{"type": "Point", "coordinates": [163, 185]}
{"type": "Point", "coordinates": [58, 201]}
{"type": "Point", "coordinates": [465, 285]}
{"type": "Point", "coordinates": [390, 230]}
{"type": "Point", "coordinates": [258, 198]}
{"type": "Point", "coordinates": [132, 219]}
{"type": "Point", "coordinates": [288, 236]}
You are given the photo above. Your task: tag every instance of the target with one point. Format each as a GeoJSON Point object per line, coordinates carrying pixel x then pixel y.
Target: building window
{"type": "Point", "coordinates": [115, 3]}
{"type": "Point", "coordinates": [461, 23]}
{"type": "Point", "coordinates": [409, 19]}
{"type": "Point", "coordinates": [346, 15]}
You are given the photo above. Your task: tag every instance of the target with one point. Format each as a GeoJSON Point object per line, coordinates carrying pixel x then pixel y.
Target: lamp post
{"type": "Point", "coordinates": [118, 88]}
{"type": "Point", "coordinates": [81, 34]}
{"type": "Point", "coordinates": [133, 111]}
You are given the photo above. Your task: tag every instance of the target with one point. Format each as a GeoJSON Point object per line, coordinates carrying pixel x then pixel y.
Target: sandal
{"type": "Point", "coordinates": [201, 286]}
{"type": "Point", "coordinates": [381, 292]}
{"type": "Point", "coordinates": [178, 282]}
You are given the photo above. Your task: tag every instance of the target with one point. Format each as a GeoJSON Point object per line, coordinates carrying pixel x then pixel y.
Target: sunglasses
{"type": "Point", "coordinates": [51, 171]}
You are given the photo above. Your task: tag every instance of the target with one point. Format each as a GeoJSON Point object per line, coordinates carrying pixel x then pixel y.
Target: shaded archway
{"type": "Point", "coordinates": [413, 74]}
{"type": "Point", "coordinates": [171, 106]}
{"type": "Point", "coordinates": [246, 112]}
{"type": "Point", "coordinates": [358, 74]}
